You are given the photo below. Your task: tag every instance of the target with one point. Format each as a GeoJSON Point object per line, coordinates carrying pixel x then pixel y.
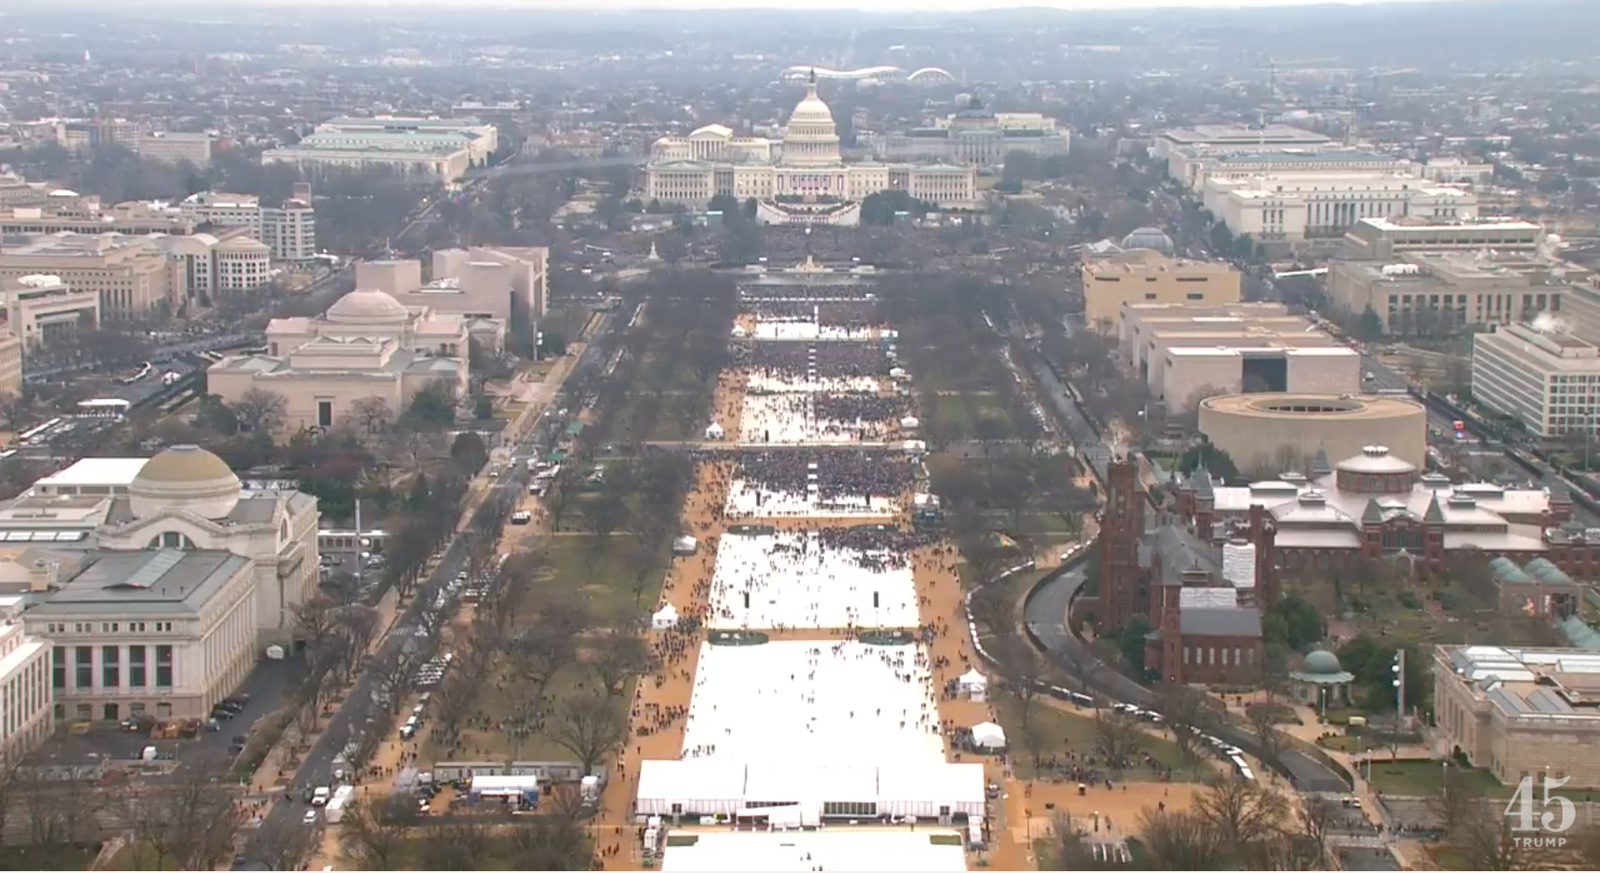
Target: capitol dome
{"type": "Point", "coordinates": [367, 307]}
{"type": "Point", "coordinates": [1149, 238]}
{"type": "Point", "coordinates": [811, 109]}
{"type": "Point", "coordinates": [811, 139]}
{"type": "Point", "coordinates": [188, 478]}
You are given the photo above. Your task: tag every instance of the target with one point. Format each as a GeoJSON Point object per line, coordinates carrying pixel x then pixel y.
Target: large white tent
{"type": "Point", "coordinates": [704, 786]}
{"type": "Point", "coordinates": [974, 685]}
{"type": "Point", "coordinates": [988, 735]}
{"type": "Point", "coordinates": [666, 617]}
{"type": "Point", "coordinates": [695, 787]}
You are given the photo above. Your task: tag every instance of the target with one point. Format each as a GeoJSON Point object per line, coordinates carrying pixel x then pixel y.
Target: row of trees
{"type": "Point", "coordinates": [391, 835]}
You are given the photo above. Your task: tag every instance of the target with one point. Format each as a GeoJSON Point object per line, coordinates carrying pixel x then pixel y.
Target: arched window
{"type": "Point", "coordinates": [172, 540]}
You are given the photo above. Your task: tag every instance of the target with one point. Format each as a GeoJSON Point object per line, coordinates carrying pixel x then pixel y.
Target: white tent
{"type": "Point", "coordinates": [974, 684]}
{"type": "Point", "coordinates": [665, 617]}
{"type": "Point", "coordinates": [897, 373]}
{"type": "Point", "coordinates": [909, 423]}
{"type": "Point", "coordinates": [684, 545]}
{"type": "Point", "coordinates": [738, 331]}
{"type": "Point", "coordinates": [988, 735]}
{"type": "Point", "coordinates": [714, 431]}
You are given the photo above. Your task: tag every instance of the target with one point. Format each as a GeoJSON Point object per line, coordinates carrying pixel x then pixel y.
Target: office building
{"type": "Point", "coordinates": [1547, 380]}
{"type": "Point", "coordinates": [16, 191]}
{"type": "Point", "coordinates": [127, 275]}
{"type": "Point", "coordinates": [366, 346]}
{"type": "Point", "coordinates": [81, 135]}
{"type": "Point", "coordinates": [67, 213]}
{"type": "Point", "coordinates": [1520, 713]}
{"type": "Point", "coordinates": [170, 147]}
{"type": "Point", "coordinates": [1432, 293]}
{"type": "Point", "coordinates": [1237, 137]}
{"type": "Point", "coordinates": [1185, 355]}
{"type": "Point", "coordinates": [289, 229]}
{"type": "Point", "coordinates": [1146, 275]}
{"type": "Point", "coordinates": [10, 363]}
{"type": "Point", "coordinates": [1453, 170]}
{"type": "Point", "coordinates": [242, 264]}
{"type": "Point", "coordinates": [443, 149]}
{"type": "Point", "coordinates": [26, 700]}
{"type": "Point", "coordinates": [504, 285]}
{"type": "Point", "coordinates": [1294, 206]}
{"type": "Point", "coordinates": [977, 136]}
{"type": "Point", "coordinates": [1194, 167]}
{"type": "Point", "coordinates": [807, 183]}
{"type": "Point", "coordinates": [42, 310]}
{"type": "Point", "coordinates": [1374, 238]}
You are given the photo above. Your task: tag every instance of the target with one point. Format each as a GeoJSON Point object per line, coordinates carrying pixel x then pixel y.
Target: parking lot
{"type": "Point", "coordinates": [266, 686]}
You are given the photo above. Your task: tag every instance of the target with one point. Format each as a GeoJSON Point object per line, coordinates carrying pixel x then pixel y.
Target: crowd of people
{"type": "Point", "coordinates": [838, 473]}
{"type": "Point", "coordinates": [876, 547]}
{"type": "Point", "coordinates": [866, 408]}
{"type": "Point", "coordinates": [758, 294]}
{"type": "Point", "coordinates": [820, 359]}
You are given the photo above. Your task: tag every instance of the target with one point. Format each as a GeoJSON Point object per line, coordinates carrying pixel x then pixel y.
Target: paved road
{"type": "Point", "coordinates": [359, 708]}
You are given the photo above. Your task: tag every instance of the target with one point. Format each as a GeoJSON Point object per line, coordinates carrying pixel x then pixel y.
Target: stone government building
{"type": "Point", "coordinates": [366, 345]}
{"type": "Point", "coordinates": [803, 181]}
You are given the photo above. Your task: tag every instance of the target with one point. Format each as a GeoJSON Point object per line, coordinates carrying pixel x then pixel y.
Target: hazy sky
{"type": "Point", "coordinates": [801, 5]}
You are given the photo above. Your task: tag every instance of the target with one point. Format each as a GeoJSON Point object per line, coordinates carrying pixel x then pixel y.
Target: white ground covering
{"type": "Point", "coordinates": [793, 582]}
{"type": "Point", "coordinates": [810, 330]}
{"type": "Point", "coordinates": [749, 501]}
{"type": "Point", "coordinates": [833, 849]}
{"type": "Point", "coordinates": [790, 418]}
{"type": "Point", "coordinates": [774, 381]}
{"type": "Point", "coordinates": [803, 700]}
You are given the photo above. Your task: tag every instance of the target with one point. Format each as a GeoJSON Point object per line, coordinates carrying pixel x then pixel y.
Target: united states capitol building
{"type": "Point", "coordinates": [800, 181]}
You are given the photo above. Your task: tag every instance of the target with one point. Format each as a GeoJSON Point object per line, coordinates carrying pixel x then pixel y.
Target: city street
{"type": "Point", "coordinates": [359, 706]}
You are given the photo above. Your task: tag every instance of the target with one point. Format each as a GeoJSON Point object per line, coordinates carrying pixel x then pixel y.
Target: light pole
{"type": "Point", "coordinates": [1399, 670]}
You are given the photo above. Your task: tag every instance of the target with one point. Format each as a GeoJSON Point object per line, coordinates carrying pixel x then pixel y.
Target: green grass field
{"type": "Point", "coordinates": [1068, 732]}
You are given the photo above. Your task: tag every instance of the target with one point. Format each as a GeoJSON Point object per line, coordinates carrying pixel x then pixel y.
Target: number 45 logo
{"type": "Point", "coordinates": [1520, 809]}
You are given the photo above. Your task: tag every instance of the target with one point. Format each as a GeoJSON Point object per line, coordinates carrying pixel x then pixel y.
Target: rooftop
{"type": "Point", "coordinates": [1530, 684]}
{"type": "Point", "coordinates": [154, 580]}
{"type": "Point", "coordinates": [95, 471]}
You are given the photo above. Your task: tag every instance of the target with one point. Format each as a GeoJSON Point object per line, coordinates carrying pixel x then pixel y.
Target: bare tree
{"type": "Point", "coordinates": [261, 410]}
{"type": "Point", "coordinates": [1484, 840]}
{"type": "Point", "coordinates": [458, 845]}
{"type": "Point", "coordinates": [1248, 818]}
{"type": "Point", "coordinates": [373, 834]}
{"type": "Point", "coordinates": [550, 645]}
{"type": "Point", "coordinates": [1181, 840]}
{"type": "Point", "coordinates": [286, 849]}
{"type": "Point", "coordinates": [620, 656]}
{"type": "Point", "coordinates": [1316, 816]}
{"type": "Point", "coordinates": [590, 727]}
{"type": "Point", "coordinates": [1067, 848]}
{"type": "Point", "coordinates": [191, 824]}
{"type": "Point", "coordinates": [1187, 716]}
{"type": "Point", "coordinates": [558, 839]}
{"type": "Point", "coordinates": [393, 677]}
{"type": "Point", "coordinates": [1455, 806]}
{"type": "Point", "coordinates": [1117, 737]}
{"type": "Point", "coordinates": [1263, 720]}
{"type": "Point", "coordinates": [373, 415]}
